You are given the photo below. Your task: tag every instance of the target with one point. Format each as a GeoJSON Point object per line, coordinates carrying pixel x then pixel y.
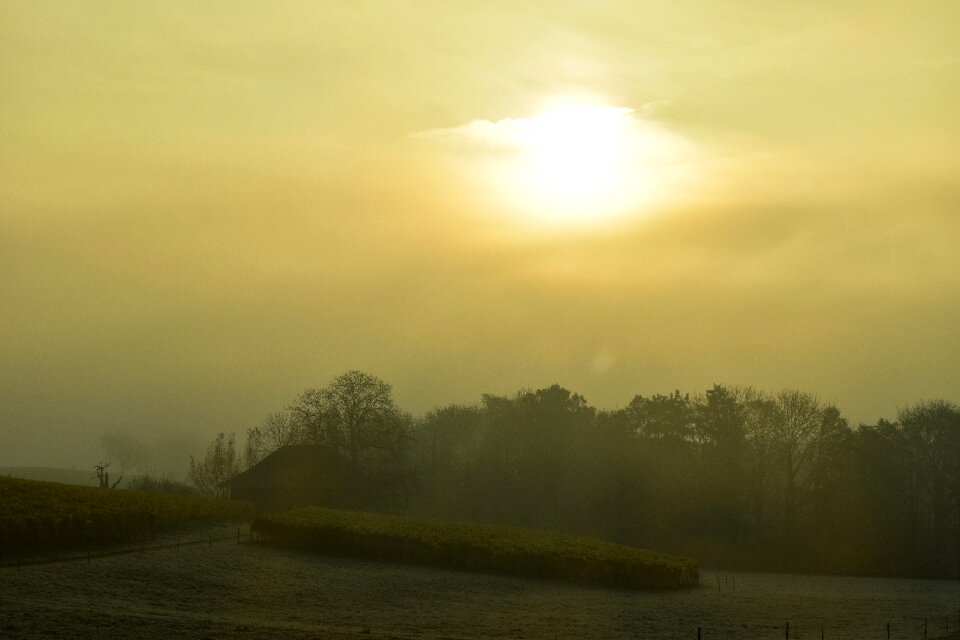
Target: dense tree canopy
{"type": "Point", "coordinates": [735, 476]}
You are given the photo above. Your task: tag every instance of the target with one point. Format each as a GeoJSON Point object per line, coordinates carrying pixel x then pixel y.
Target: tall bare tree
{"type": "Point", "coordinates": [218, 465]}
{"type": "Point", "coordinates": [797, 421]}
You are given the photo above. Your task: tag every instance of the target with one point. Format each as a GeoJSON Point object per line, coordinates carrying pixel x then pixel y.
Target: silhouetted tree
{"type": "Point", "coordinates": [126, 449]}
{"type": "Point", "coordinates": [356, 416]}
{"type": "Point", "coordinates": [932, 433]}
{"type": "Point", "coordinates": [721, 431]}
{"type": "Point", "coordinates": [218, 465]}
{"type": "Point", "coordinates": [797, 419]}
{"type": "Point", "coordinates": [278, 429]}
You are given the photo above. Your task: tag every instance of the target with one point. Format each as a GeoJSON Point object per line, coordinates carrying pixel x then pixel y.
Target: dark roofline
{"type": "Point", "coordinates": [292, 461]}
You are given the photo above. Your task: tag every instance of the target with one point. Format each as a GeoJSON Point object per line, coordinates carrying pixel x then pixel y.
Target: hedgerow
{"type": "Point", "coordinates": [473, 546]}
{"type": "Point", "coordinates": [44, 515]}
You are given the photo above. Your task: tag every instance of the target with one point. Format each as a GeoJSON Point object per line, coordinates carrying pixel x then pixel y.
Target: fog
{"type": "Point", "coordinates": [204, 212]}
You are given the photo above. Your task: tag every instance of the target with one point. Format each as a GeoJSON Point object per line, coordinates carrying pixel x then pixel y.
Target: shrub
{"type": "Point", "coordinates": [45, 515]}
{"type": "Point", "coordinates": [474, 546]}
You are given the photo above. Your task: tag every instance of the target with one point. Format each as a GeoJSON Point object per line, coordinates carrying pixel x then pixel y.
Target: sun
{"type": "Point", "coordinates": [576, 164]}
{"type": "Point", "coordinates": [576, 153]}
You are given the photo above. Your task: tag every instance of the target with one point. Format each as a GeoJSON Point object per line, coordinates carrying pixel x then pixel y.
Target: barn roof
{"type": "Point", "coordinates": [289, 466]}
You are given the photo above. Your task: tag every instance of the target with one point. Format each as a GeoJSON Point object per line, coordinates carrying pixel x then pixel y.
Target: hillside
{"type": "Point", "coordinates": [78, 477]}
{"type": "Point", "coordinates": [47, 515]}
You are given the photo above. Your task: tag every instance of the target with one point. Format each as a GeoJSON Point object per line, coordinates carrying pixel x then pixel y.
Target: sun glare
{"type": "Point", "coordinates": [584, 165]}
{"type": "Point", "coordinates": [576, 157]}
{"type": "Point", "coordinates": [575, 165]}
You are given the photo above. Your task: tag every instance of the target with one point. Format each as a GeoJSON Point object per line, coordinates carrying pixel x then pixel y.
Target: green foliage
{"type": "Point", "coordinates": [477, 547]}
{"type": "Point", "coordinates": [46, 515]}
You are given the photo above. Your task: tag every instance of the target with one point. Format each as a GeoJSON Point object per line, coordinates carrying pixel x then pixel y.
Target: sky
{"type": "Point", "coordinates": [206, 208]}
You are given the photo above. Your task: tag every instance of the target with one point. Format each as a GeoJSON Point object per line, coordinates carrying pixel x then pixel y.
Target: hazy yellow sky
{"type": "Point", "coordinates": [206, 207]}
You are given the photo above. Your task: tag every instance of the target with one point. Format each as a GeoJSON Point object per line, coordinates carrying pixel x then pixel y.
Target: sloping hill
{"type": "Point", "coordinates": [79, 477]}
{"type": "Point", "coordinates": [46, 515]}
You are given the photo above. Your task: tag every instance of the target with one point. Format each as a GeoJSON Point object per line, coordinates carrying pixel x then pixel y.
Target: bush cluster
{"type": "Point", "coordinates": [483, 547]}
{"type": "Point", "coordinates": [45, 515]}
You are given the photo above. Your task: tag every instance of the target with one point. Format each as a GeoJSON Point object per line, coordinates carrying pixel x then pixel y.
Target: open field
{"type": "Point", "coordinates": [46, 515]}
{"type": "Point", "coordinates": [260, 592]}
{"type": "Point", "coordinates": [481, 547]}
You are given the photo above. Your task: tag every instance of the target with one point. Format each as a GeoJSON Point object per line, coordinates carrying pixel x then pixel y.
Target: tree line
{"type": "Point", "coordinates": [735, 476]}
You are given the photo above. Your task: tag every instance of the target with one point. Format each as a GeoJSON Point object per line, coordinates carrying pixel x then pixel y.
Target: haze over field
{"type": "Point", "coordinates": [205, 209]}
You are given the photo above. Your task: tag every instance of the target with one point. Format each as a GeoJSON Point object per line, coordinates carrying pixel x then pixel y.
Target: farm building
{"type": "Point", "coordinates": [294, 475]}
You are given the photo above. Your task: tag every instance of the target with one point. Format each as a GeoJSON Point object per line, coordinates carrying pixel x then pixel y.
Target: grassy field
{"type": "Point", "coordinates": [45, 515]}
{"type": "Point", "coordinates": [260, 592]}
{"type": "Point", "coordinates": [479, 547]}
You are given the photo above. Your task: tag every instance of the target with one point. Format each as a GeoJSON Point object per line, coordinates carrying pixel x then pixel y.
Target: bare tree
{"type": "Point", "coordinates": [356, 415]}
{"type": "Point", "coordinates": [796, 425]}
{"type": "Point", "coordinates": [277, 430]}
{"type": "Point", "coordinates": [218, 465]}
{"type": "Point", "coordinates": [127, 450]}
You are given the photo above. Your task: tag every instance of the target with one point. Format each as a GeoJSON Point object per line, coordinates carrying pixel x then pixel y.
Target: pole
{"type": "Point", "coordinates": [788, 630]}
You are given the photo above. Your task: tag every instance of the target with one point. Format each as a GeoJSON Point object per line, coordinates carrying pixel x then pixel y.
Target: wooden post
{"type": "Point", "coordinates": [698, 633]}
{"type": "Point", "coordinates": [787, 631]}
{"type": "Point", "coordinates": [821, 633]}
{"type": "Point", "coordinates": [888, 631]}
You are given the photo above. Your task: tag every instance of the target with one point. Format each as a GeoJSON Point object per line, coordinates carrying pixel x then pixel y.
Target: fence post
{"type": "Point", "coordinates": [698, 633]}
{"type": "Point", "coordinates": [787, 630]}
{"type": "Point", "coordinates": [888, 631]}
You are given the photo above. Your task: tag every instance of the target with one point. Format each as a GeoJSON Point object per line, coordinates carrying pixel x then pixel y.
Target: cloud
{"type": "Point", "coordinates": [650, 108]}
{"type": "Point", "coordinates": [500, 135]}
{"type": "Point", "coordinates": [511, 134]}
